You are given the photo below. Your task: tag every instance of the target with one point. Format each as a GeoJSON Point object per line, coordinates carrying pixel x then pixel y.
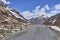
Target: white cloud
{"type": "Point", "coordinates": [47, 7]}
{"type": "Point", "coordinates": [57, 6]}
{"type": "Point", "coordinates": [35, 13]}
{"type": "Point", "coordinates": [55, 11]}
{"type": "Point", "coordinates": [37, 8]}
{"type": "Point", "coordinates": [5, 1]}
{"type": "Point", "coordinates": [27, 14]}
{"type": "Point", "coordinates": [41, 11]}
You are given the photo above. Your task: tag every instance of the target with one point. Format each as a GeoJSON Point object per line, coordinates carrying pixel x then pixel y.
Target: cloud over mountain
{"type": "Point", "coordinates": [42, 11]}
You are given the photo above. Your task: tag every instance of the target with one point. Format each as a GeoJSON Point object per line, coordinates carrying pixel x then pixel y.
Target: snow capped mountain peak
{"type": "Point", "coordinates": [45, 16]}
{"type": "Point", "coordinates": [39, 20]}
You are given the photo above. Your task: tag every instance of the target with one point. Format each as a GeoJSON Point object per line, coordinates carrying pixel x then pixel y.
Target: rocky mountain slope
{"type": "Point", "coordinates": [54, 20]}
{"type": "Point", "coordinates": [11, 21]}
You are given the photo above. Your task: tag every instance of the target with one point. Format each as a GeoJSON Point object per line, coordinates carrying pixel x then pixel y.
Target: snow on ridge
{"type": "Point", "coordinates": [8, 8]}
{"type": "Point", "coordinates": [16, 15]}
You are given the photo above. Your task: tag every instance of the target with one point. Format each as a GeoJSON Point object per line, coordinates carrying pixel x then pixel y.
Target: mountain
{"type": "Point", "coordinates": [11, 21]}
{"type": "Point", "coordinates": [54, 20]}
{"type": "Point", "coordinates": [39, 20]}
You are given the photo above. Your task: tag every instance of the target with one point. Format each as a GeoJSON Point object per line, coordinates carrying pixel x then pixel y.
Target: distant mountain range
{"type": "Point", "coordinates": [43, 19]}
{"type": "Point", "coordinates": [39, 20]}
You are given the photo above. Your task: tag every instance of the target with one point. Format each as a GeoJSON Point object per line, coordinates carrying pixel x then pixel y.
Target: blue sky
{"type": "Point", "coordinates": [35, 8]}
{"type": "Point", "coordinates": [23, 5]}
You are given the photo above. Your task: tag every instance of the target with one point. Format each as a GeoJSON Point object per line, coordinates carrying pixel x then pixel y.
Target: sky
{"type": "Point", "coordinates": [35, 8]}
{"type": "Point", "coordinates": [23, 5]}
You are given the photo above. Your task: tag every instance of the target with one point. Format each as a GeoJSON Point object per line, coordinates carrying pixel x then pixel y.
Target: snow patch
{"type": "Point", "coordinates": [4, 28]}
{"type": "Point", "coordinates": [53, 21]}
{"type": "Point", "coordinates": [7, 19]}
{"type": "Point", "coordinates": [55, 28]}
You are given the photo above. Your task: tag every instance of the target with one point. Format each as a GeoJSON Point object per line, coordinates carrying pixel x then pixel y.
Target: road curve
{"type": "Point", "coordinates": [36, 32]}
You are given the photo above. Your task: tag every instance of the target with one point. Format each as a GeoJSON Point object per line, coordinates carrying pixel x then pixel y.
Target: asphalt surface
{"type": "Point", "coordinates": [36, 32]}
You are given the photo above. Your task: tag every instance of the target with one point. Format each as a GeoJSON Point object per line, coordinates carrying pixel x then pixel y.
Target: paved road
{"type": "Point", "coordinates": [36, 32]}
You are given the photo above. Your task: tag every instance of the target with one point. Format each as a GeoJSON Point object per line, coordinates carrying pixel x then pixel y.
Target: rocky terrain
{"type": "Point", "coordinates": [11, 21]}
{"type": "Point", "coordinates": [53, 21]}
